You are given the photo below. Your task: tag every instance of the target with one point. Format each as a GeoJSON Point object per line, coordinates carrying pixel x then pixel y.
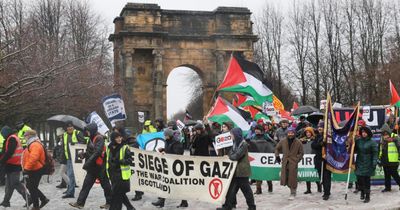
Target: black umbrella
{"type": "Point", "coordinates": [305, 110]}
{"type": "Point", "coordinates": [315, 117]}
{"type": "Point", "coordinates": [60, 120]}
{"type": "Point", "coordinates": [190, 122]}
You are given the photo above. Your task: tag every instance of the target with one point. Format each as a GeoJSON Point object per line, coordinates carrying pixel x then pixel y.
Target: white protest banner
{"type": "Point", "coordinates": [180, 125]}
{"type": "Point", "coordinates": [77, 163]}
{"type": "Point", "coordinates": [101, 126]}
{"type": "Point", "coordinates": [141, 117]}
{"type": "Point", "coordinates": [182, 177]}
{"type": "Point", "coordinates": [114, 108]}
{"type": "Point", "coordinates": [223, 140]}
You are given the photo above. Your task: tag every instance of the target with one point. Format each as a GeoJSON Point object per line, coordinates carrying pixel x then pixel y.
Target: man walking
{"type": "Point", "coordinates": [292, 151]}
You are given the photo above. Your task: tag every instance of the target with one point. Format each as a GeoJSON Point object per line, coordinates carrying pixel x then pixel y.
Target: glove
{"type": "Point", "coordinates": [278, 159]}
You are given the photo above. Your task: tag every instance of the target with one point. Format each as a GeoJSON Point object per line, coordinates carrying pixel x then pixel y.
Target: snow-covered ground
{"type": "Point", "coordinates": [275, 200]}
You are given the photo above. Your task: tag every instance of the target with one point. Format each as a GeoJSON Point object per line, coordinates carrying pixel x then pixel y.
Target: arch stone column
{"type": "Point", "coordinates": [158, 78]}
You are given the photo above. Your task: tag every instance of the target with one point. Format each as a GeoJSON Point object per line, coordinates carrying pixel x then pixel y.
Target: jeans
{"type": "Point", "coordinates": [241, 183]}
{"type": "Point", "coordinates": [391, 171]}
{"type": "Point", "coordinates": [90, 179]}
{"type": "Point", "coordinates": [13, 182]}
{"type": "Point", "coordinates": [63, 173]}
{"type": "Point", "coordinates": [70, 173]}
{"type": "Point", "coordinates": [33, 187]}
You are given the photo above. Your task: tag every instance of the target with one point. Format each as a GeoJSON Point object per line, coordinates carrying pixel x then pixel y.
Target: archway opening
{"type": "Point", "coordinates": [184, 92]}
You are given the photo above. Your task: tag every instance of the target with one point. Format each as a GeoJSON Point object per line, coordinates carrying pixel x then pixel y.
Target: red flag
{"type": "Point", "coordinates": [295, 106]}
{"type": "Point", "coordinates": [395, 96]}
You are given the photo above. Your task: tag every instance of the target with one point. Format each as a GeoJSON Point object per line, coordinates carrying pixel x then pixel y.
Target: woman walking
{"type": "Point", "coordinates": [367, 156]}
{"type": "Point", "coordinates": [119, 171]}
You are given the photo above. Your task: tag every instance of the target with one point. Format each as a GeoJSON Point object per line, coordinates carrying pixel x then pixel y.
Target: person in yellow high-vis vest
{"type": "Point", "coordinates": [70, 137]}
{"type": "Point", "coordinates": [22, 127]}
{"type": "Point", "coordinates": [118, 159]}
{"type": "Point", "coordinates": [389, 156]}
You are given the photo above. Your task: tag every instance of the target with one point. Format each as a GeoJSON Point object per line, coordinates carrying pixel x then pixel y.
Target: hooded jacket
{"type": "Point", "coordinates": [94, 149]}
{"type": "Point", "coordinates": [239, 152]}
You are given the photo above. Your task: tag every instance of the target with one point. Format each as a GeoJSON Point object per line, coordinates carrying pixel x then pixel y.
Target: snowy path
{"type": "Point", "coordinates": [275, 200]}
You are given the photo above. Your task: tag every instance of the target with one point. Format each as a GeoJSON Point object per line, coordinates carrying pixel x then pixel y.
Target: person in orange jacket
{"type": "Point", "coordinates": [33, 160]}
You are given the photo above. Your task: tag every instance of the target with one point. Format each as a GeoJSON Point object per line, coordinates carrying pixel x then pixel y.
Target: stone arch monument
{"type": "Point", "coordinates": [149, 42]}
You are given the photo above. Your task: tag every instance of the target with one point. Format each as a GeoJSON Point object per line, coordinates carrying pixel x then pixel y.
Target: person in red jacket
{"type": "Point", "coordinates": [11, 160]}
{"type": "Point", "coordinates": [33, 160]}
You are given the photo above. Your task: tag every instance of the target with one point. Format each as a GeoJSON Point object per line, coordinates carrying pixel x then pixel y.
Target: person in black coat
{"type": "Point", "coordinates": [171, 147]}
{"type": "Point", "coordinates": [317, 146]}
{"type": "Point", "coordinates": [94, 166]}
{"type": "Point", "coordinates": [119, 186]}
{"type": "Point", "coordinates": [201, 141]}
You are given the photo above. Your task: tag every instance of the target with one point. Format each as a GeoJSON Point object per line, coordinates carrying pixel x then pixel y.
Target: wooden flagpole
{"type": "Point", "coordinates": [352, 149]}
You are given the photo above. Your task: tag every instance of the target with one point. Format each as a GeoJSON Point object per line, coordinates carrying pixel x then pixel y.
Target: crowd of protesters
{"type": "Point", "coordinates": [110, 162]}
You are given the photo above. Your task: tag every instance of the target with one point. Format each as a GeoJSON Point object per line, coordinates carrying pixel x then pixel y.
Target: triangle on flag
{"type": "Point", "coordinates": [395, 99]}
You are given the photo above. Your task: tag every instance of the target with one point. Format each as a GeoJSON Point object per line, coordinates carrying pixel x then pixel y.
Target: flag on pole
{"type": "Point", "coordinates": [295, 106]}
{"type": "Point", "coordinates": [245, 77]}
{"type": "Point", "coordinates": [241, 100]}
{"type": "Point", "coordinates": [339, 140]}
{"type": "Point", "coordinates": [223, 111]}
{"type": "Point", "coordinates": [278, 103]}
{"type": "Point", "coordinates": [395, 100]}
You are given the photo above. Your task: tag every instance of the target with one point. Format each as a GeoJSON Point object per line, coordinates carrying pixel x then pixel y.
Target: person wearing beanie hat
{"type": "Point", "coordinates": [115, 165]}
{"type": "Point", "coordinates": [281, 133]}
{"type": "Point", "coordinates": [201, 140]}
{"type": "Point", "coordinates": [367, 157]}
{"type": "Point", "coordinates": [171, 147]}
{"type": "Point", "coordinates": [317, 146]}
{"type": "Point", "coordinates": [240, 180]}
{"type": "Point", "coordinates": [292, 150]}
{"type": "Point", "coordinates": [95, 169]}
{"type": "Point", "coordinates": [307, 139]}
{"type": "Point", "coordinates": [262, 143]}
{"type": "Point", "coordinates": [11, 161]}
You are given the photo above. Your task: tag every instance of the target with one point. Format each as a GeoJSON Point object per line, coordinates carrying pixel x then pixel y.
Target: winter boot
{"type": "Point", "coordinates": [35, 208]}
{"type": "Point", "coordinates": [44, 202]}
{"type": "Point", "coordinates": [308, 191]}
{"type": "Point", "coordinates": [137, 197]}
{"type": "Point", "coordinates": [76, 205]}
{"type": "Point", "coordinates": [362, 196]}
{"type": "Point", "coordinates": [159, 203]}
{"type": "Point", "coordinates": [270, 186]}
{"type": "Point", "coordinates": [325, 197]}
{"type": "Point", "coordinates": [258, 190]}
{"type": "Point", "coordinates": [5, 204]}
{"type": "Point", "coordinates": [366, 198]}
{"type": "Point", "coordinates": [183, 204]}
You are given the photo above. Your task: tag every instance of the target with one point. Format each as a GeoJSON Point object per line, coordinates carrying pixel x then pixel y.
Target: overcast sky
{"type": "Point", "coordinates": [111, 8]}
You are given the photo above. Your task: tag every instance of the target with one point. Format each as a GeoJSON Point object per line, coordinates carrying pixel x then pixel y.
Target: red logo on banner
{"type": "Point", "coordinates": [215, 188]}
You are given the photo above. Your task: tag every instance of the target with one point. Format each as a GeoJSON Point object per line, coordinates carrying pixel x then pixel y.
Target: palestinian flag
{"type": "Point", "coordinates": [223, 111]}
{"type": "Point", "coordinates": [256, 114]}
{"type": "Point", "coordinates": [395, 101]}
{"type": "Point", "coordinates": [245, 77]}
{"type": "Point", "coordinates": [295, 106]}
{"type": "Point", "coordinates": [241, 100]}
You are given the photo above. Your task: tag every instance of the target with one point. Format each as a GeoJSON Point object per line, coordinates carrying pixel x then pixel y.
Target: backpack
{"type": "Point", "coordinates": [49, 163]}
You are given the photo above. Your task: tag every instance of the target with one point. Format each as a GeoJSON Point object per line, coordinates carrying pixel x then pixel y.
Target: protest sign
{"type": "Point", "coordinates": [322, 104]}
{"type": "Point", "coordinates": [101, 126]}
{"type": "Point", "coordinates": [223, 140]}
{"type": "Point", "coordinates": [374, 120]}
{"type": "Point", "coordinates": [182, 177]}
{"type": "Point", "coordinates": [114, 108]}
{"type": "Point", "coordinates": [78, 163]}
{"type": "Point", "coordinates": [180, 125]}
{"type": "Point", "coordinates": [141, 117]}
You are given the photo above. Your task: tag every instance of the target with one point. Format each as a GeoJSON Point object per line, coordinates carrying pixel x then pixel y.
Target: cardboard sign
{"type": "Point", "coordinates": [114, 108]}
{"type": "Point", "coordinates": [223, 140]}
{"type": "Point", "coordinates": [101, 126]}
